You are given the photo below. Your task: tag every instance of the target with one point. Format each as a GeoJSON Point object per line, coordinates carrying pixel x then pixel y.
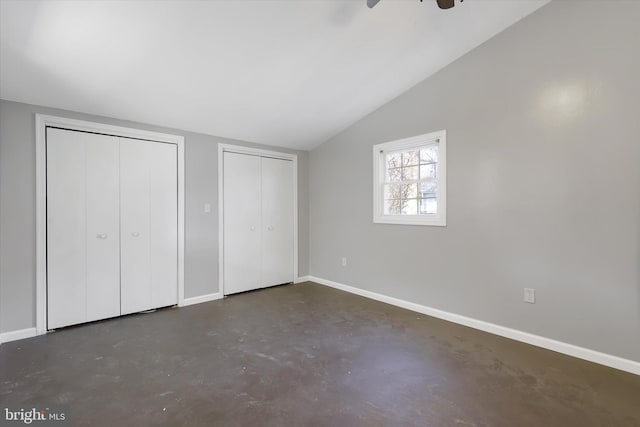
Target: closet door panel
{"type": "Point", "coordinates": [135, 257]}
{"type": "Point", "coordinates": [163, 223]}
{"type": "Point", "coordinates": [103, 227]}
{"type": "Point", "coordinates": [66, 228]}
{"type": "Point", "coordinates": [277, 221]}
{"type": "Point", "coordinates": [242, 223]}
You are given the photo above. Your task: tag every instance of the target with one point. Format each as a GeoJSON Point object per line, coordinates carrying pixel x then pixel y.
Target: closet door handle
{"type": "Point", "coordinates": [252, 228]}
{"type": "Point", "coordinates": [135, 234]}
{"type": "Point", "coordinates": [270, 228]}
{"type": "Point", "coordinates": [102, 236]}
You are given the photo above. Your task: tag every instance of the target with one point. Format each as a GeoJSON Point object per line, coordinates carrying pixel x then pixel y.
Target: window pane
{"type": "Point", "coordinates": [410, 173]}
{"type": "Point", "coordinates": [428, 171]}
{"type": "Point", "coordinates": [410, 207]}
{"type": "Point", "coordinates": [393, 175]}
{"type": "Point", "coordinates": [394, 160]}
{"type": "Point", "coordinates": [392, 207]}
{"type": "Point", "coordinates": [428, 206]}
{"type": "Point", "coordinates": [410, 158]}
{"type": "Point", "coordinates": [428, 189]}
{"type": "Point", "coordinates": [429, 155]}
{"type": "Point", "coordinates": [409, 191]}
{"type": "Point", "coordinates": [393, 191]}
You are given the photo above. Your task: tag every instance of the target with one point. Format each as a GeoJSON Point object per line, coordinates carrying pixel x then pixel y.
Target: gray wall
{"type": "Point", "coordinates": [543, 183]}
{"type": "Point", "coordinates": [17, 209]}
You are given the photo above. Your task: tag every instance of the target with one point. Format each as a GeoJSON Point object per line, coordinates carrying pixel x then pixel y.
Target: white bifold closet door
{"type": "Point", "coordinates": [148, 229]}
{"type": "Point", "coordinates": [83, 249]}
{"type": "Point", "coordinates": [112, 226]}
{"type": "Point", "coordinates": [277, 221]}
{"type": "Point", "coordinates": [258, 222]}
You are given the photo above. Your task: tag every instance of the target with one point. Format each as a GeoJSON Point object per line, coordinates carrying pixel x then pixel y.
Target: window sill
{"type": "Point", "coordinates": [436, 221]}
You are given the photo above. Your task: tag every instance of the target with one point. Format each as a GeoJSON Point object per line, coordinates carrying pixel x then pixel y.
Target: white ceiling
{"type": "Point", "coordinates": [288, 73]}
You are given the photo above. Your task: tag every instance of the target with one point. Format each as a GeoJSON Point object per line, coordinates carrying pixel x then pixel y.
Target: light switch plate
{"type": "Point", "coordinates": [530, 295]}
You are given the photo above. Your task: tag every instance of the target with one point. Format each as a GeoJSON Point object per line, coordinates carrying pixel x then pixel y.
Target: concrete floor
{"type": "Point", "coordinates": [307, 355]}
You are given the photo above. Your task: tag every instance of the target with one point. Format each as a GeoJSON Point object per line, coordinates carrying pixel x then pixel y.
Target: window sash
{"type": "Point", "coordinates": [384, 159]}
{"type": "Point", "coordinates": [382, 173]}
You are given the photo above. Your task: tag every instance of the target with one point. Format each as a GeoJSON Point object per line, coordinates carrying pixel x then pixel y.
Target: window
{"type": "Point", "coordinates": [409, 180]}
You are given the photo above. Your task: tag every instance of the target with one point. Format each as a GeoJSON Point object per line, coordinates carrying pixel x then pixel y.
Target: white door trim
{"type": "Point", "coordinates": [254, 152]}
{"type": "Point", "coordinates": [44, 121]}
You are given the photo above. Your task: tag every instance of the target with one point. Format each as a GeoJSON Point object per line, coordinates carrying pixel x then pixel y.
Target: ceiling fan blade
{"type": "Point", "coordinates": [445, 4]}
{"type": "Point", "coordinates": [372, 3]}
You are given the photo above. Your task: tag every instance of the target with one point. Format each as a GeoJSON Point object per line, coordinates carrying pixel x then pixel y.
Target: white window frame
{"type": "Point", "coordinates": [437, 219]}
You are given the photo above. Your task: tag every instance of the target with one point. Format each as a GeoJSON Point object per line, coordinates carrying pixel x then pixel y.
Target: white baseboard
{"type": "Point", "coordinates": [17, 335]}
{"type": "Point", "coordinates": [539, 341]}
{"type": "Point", "coordinates": [302, 279]}
{"type": "Point", "coordinates": [201, 299]}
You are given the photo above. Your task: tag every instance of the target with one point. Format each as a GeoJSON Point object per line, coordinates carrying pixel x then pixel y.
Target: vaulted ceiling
{"type": "Point", "coordinates": [279, 72]}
